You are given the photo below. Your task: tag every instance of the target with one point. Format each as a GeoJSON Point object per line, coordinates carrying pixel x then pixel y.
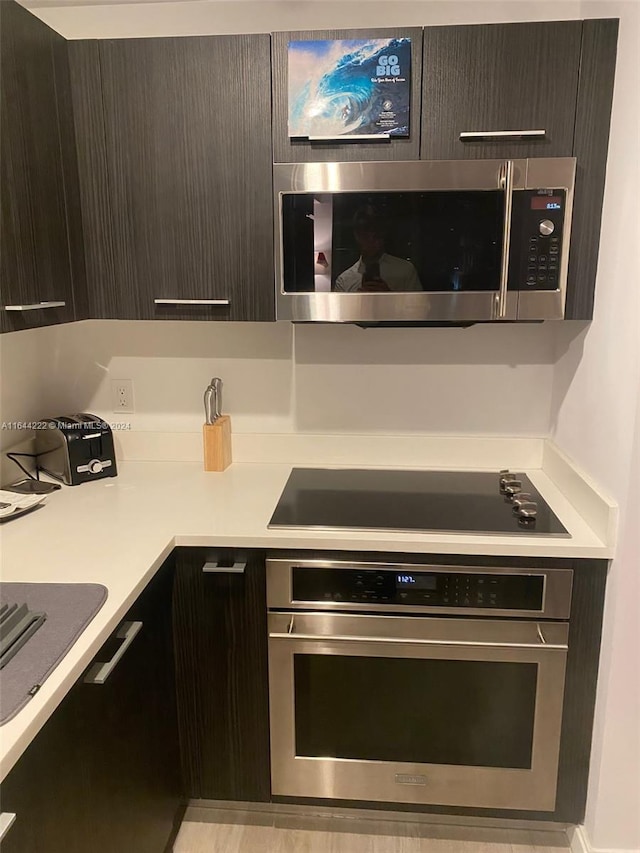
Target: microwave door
{"type": "Point", "coordinates": [434, 250]}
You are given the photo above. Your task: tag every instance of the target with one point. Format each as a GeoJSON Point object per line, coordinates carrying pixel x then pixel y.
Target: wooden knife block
{"type": "Point", "coordinates": [217, 444]}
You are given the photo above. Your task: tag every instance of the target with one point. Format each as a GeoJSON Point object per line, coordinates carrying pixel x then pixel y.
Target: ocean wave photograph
{"type": "Point", "coordinates": [349, 87]}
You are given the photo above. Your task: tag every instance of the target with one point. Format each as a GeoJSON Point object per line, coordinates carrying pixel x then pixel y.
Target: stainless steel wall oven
{"type": "Point", "coordinates": [421, 684]}
{"type": "Point", "coordinates": [423, 241]}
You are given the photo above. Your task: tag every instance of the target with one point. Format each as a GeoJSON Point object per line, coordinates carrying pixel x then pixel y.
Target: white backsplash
{"type": "Point", "coordinates": [25, 380]}
{"type": "Point", "coordinates": [281, 379]}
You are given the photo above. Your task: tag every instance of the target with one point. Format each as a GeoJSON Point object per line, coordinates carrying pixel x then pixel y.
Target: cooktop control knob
{"type": "Point", "coordinates": [505, 478]}
{"type": "Point", "coordinates": [95, 466]}
{"type": "Point", "coordinates": [520, 499]}
{"type": "Point", "coordinates": [547, 227]}
{"type": "Point", "coordinates": [512, 488]}
{"type": "Point", "coordinates": [528, 510]}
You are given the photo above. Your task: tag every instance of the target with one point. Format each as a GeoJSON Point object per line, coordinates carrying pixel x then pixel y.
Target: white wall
{"type": "Point", "coordinates": [280, 378]}
{"type": "Point", "coordinates": [595, 420]}
{"type": "Point", "coordinates": [129, 20]}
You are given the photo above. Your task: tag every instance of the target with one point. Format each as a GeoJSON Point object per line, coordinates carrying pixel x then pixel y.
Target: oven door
{"type": "Point", "coordinates": [460, 712]}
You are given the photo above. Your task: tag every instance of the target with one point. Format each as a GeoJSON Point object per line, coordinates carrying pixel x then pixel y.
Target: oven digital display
{"type": "Point", "coordinates": [418, 581]}
{"type": "Point", "coordinates": [546, 202]}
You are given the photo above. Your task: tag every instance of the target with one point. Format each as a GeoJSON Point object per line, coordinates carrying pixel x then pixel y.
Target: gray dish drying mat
{"type": "Point", "coordinates": [69, 608]}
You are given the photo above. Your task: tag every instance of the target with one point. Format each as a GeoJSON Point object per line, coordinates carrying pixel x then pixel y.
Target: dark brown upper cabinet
{"type": "Point", "coordinates": [499, 78]}
{"type": "Point", "coordinates": [286, 150]}
{"type": "Point", "coordinates": [591, 142]}
{"type": "Point", "coordinates": [40, 255]}
{"type": "Point", "coordinates": [174, 157]}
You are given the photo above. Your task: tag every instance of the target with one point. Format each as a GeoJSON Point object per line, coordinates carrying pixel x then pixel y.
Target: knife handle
{"type": "Point", "coordinates": [208, 413]}
{"type": "Point", "coordinates": [216, 384]}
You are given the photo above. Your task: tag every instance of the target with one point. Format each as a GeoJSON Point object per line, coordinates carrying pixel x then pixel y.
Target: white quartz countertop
{"type": "Point", "coordinates": [118, 531]}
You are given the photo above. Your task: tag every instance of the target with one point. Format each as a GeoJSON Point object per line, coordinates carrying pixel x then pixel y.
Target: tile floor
{"type": "Point", "coordinates": [415, 838]}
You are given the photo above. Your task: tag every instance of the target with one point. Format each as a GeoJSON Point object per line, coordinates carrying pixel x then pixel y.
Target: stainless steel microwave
{"type": "Point", "coordinates": [446, 241]}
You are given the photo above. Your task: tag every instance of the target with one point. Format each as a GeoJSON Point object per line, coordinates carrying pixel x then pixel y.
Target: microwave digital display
{"type": "Point", "coordinates": [546, 202]}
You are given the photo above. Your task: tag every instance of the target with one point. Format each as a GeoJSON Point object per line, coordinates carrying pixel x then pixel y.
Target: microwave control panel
{"type": "Point", "coordinates": [536, 239]}
{"type": "Point", "coordinates": [383, 587]}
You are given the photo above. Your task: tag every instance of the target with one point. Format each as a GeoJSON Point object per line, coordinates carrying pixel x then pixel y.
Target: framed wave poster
{"type": "Point", "coordinates": [351, 89]}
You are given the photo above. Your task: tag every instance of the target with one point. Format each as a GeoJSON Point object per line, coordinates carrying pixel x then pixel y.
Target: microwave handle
{"type": "Point", "coordinates": [506, 182]}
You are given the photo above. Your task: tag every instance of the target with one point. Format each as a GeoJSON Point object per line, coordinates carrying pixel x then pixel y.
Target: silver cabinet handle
{"type": "Point", "coordinates": [34, 306]}
{"type": "Point", "coordinates": [192, 301]}
{"type": "Point", "coordinates": [506, 180]}
{"type": "Point", "coordinates": [237, 568]}
{"type": "Point", "coordinates": [99, 672]}
{"type": "Point", "coordinates": [474, 135]}
{"type": "Point", "coordinates": [6, 822]}
{"type": "Point", "coordinates": [369, 137]}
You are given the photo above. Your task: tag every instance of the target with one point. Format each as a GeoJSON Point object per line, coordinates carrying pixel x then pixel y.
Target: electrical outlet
{"type": "Point", "coordinates": [122, 395]}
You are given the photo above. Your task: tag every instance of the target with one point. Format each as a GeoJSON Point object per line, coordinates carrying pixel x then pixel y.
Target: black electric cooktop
{"type": "Point", "coordinates": [420, 501]}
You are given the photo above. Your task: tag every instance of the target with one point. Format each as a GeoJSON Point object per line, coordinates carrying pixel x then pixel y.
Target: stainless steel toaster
{"type": "Point", "coordinates": [75, 448]}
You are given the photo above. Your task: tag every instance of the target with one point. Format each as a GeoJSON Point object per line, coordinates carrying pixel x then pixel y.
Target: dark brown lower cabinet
{"type": "Point", "coordinates": [103, 774]}
{"type": "Point", "coordinates": [46, 789]}
{"type": "Point", "coordinates": [220, 631]}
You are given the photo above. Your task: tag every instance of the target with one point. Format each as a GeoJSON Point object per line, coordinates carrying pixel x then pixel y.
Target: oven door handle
{"type": "Point", "coordinates": [342, 638]}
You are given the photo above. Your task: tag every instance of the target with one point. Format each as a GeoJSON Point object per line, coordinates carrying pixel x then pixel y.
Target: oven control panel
{"type": "Point", "coordinates": [402, 586]}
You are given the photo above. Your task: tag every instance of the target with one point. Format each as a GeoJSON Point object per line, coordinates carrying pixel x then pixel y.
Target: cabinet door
{"type": "Point", "coordinates": [103, 773]}
{"type": "Point", "coordinates": [46, 789]}
{"type": "Point", "coordinates": [595, 96]}
{"type": "Point", "coordinates": [220, 628]}
{"type": "Point", "coordinates": [500, 77]}
{"type": "Point", "coordinates": [35, 262]}
{"type": "Point", "coordinates": [129, 734]}
{"type": "Point", "coordinates": [286, 150]}
{"type": "Point", "coordinates": [186, 172]}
